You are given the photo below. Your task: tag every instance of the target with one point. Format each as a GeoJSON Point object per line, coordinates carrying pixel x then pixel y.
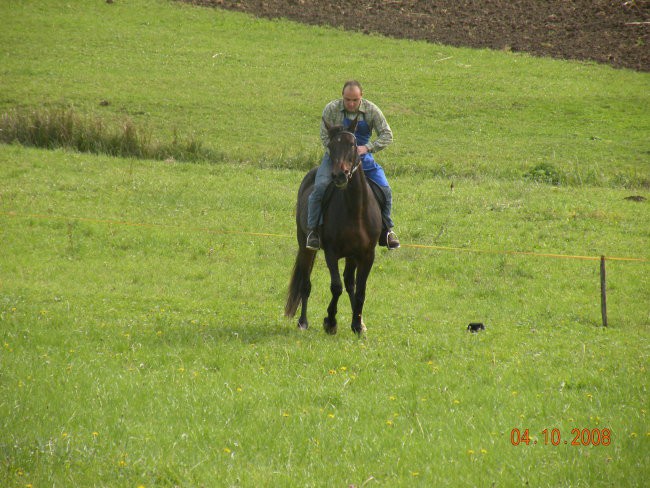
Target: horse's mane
{"type": "Point", "coordinates": [338, 129]}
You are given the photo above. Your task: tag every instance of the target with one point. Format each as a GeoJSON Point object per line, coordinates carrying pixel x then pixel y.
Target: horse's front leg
{"type": "Point", "coordinates": [363, 271]}
{"type": "Point", "coordinates": [348, 279]}
{"type": "Point", "coordinates": [336, 287]}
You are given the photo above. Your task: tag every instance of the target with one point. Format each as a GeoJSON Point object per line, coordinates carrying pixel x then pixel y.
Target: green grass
{"type": "Point", "coordinates": [142, 341]}
{"type": "Point", "coordinates": [253, 89]}
{"type": "Point", "coordinates": [157, 354]}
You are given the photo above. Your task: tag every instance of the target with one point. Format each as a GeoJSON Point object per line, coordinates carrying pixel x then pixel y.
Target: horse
{"type": "Point", "coordinates": [350, 230]}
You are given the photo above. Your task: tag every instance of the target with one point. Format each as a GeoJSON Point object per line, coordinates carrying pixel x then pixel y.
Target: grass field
{"type": "Point", "coordinates": [142, 341]}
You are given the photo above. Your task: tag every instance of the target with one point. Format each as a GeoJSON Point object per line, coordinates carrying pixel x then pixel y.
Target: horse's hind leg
{"type": "Point", "coordinates": [336, 287]}
{"type": "Point", "coordinates": [307, 263]}
{"type": "Point", "coordinates": [303, 323]}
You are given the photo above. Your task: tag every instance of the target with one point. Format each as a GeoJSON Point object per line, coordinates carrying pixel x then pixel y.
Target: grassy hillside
{"type": "Point", "coordinates": [254, 89]}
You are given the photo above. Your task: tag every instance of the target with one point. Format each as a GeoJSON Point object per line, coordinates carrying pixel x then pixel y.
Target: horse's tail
{"type": "Point", "coordinates": [300, 281]}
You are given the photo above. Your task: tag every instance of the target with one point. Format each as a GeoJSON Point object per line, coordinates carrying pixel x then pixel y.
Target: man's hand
{"type": "Point", "coordinates": [362, 150]}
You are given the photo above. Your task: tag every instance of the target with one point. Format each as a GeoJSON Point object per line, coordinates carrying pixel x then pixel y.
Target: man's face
{"type": "Point", "coordinates": [352, 98]}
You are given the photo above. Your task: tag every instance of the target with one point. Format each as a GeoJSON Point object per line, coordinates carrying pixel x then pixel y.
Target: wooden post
{"type": "Point", "coordinates": [603, 291]}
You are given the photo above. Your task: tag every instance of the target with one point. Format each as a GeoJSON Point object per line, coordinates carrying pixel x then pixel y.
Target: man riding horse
{"type": "Point", "coordinates": [369, 117]}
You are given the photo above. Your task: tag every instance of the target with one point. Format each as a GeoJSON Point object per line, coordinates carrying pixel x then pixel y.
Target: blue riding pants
{"type": "Point", "coordinates": [323, 179]}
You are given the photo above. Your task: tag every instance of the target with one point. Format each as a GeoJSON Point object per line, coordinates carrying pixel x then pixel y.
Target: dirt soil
{"type": "Point", "coordinates": [616, 32]}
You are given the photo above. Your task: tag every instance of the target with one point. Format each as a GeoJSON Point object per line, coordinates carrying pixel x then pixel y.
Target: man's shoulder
{"type": "Point", "coordinates": [333, 112]}
{"type": "Point", "coordinates": [368, 106]}
{"type": "Point", "coordinates": [335, 105]}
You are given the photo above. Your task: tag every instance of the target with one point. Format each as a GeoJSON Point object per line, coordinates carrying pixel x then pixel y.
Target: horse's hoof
{"type": "Point", "coordinates": [302, 325]}
{"type": "Point", "coordinates": [329, 326]}
{"type": "Point", "coordinates": [359, 329]}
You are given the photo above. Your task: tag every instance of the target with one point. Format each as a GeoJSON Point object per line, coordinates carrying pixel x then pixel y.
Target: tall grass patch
{"type": "Point", "coordinates": [66, 128]}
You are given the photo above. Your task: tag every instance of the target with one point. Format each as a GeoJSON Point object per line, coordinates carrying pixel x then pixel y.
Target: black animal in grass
{"type": "Point", "coordinates": [475, 327]}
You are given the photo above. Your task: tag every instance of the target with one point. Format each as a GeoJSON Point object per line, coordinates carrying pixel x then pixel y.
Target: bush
{"type": "Point", "coordinates": [545, 173]}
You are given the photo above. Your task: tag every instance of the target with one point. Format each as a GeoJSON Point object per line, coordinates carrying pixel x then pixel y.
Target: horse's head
{"type": "Point", "coordinates": [343, 152]}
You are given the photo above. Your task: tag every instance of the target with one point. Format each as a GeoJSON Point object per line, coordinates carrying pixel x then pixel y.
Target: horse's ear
{"type": "Point", "coordinates": [353, 125]}
{"type": "Point", "coordinates": [327, 126]}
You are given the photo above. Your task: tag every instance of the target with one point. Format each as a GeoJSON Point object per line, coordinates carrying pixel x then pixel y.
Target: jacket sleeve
{"type": "Point", "coordinates": [384, 133]}
{"type": "Point", "coordinates": [330, 114]}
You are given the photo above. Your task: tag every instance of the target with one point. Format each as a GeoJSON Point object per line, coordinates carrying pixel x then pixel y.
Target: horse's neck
{"type": "Point", "coordinates": [356, 195]}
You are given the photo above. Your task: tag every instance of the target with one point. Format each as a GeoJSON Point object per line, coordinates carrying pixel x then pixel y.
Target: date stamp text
{"type": "Point", "coordinates": [554, 437]}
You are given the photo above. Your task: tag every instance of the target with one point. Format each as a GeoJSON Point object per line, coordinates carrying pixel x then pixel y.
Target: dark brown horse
{"type": "Point", "coordinates": [351, 228]}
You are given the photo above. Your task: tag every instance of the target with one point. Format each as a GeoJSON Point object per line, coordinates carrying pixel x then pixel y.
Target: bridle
{"type": "Point", "coordinates": [357, 158]}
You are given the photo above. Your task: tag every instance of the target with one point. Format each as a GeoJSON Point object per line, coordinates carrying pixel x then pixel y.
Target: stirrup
{"type": "Point", "coordinates": [396, 241]}
{"type": "Point", "coordinates": [315, 238]}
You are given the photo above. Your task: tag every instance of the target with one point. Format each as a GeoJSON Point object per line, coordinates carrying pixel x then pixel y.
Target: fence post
{"type": "Point", "coordinates": [603, 291]}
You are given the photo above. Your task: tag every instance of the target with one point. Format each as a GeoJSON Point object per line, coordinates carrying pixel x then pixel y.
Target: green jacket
{"type": "Point", "coordinates": [334, 113]}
